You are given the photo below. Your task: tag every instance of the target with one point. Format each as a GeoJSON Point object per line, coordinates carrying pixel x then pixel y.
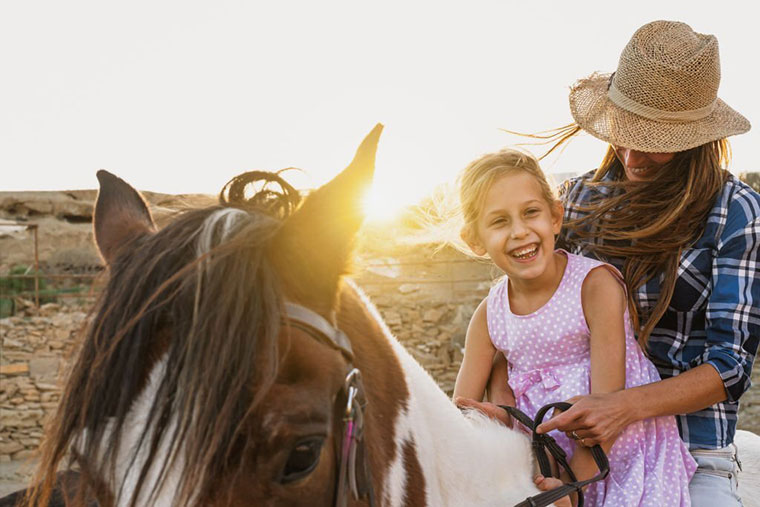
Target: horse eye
{"type": "Point", "coordinates": [302, 460]}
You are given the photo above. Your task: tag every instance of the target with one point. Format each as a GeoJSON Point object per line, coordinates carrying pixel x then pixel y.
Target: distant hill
{"type": "Point", "coordinates": [75, 206]}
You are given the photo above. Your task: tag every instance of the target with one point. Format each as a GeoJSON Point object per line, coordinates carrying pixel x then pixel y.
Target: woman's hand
{"type": "Point", "coordinates": [491, 410]}
{"type": "Point", "coordinates": [594, 418]}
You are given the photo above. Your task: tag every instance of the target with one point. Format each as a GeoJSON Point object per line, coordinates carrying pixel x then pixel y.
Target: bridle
{"type": "Point", "coordinates": [352, 468]}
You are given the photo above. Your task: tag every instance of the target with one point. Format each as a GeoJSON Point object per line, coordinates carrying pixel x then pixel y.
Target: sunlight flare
{"type": "Point", "coordinates": [381, 206]}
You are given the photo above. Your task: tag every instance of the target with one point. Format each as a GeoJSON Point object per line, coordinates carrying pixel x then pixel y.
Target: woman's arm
{"type": "Point", "coordinates": [600, 417]}
{"type": "Point", "coordinates": [478, 357]}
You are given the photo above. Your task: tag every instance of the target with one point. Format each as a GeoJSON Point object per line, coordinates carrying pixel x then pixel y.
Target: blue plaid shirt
{"type": "Point", "coordinates": [714, 314]}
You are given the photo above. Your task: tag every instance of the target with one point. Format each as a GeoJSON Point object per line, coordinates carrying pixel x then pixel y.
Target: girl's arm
{"type": "Point", "coordinates": [604, 304]}
{"type": "Point", "coordinates": [498, 390]}
{"type": "Point", "coordinates": [478, 357]}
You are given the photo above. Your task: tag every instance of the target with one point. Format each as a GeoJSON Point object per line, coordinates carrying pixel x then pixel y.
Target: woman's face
{"type": "Point", "coordinates": [641, 166]}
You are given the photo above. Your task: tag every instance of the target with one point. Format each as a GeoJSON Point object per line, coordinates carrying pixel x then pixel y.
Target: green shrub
{"type": "Point", "coordinates": [11, 287]}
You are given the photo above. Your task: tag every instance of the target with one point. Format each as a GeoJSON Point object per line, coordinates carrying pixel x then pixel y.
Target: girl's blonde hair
{"type": "Point", "coordinates": [480, 174]}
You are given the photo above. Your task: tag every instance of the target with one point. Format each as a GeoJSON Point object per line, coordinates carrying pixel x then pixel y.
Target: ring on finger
{"type": "Point", "coordinates": [575, 435]}
{"type": "Point", "coordinates": [583, 442]}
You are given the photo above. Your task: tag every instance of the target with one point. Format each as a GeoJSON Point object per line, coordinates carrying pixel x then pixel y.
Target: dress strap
{"type": "Point", "coordinates": [497, 309]}
{"type": "Point", "coordinates": [586, 264]}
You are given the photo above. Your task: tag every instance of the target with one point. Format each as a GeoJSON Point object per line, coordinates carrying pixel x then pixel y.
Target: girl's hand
{"type": "Point", "coordinates": [491, 410]}
{"type": "Point", "coordinates": [549, 483]}
{"type": "Point", "coordinates": [595, 418]}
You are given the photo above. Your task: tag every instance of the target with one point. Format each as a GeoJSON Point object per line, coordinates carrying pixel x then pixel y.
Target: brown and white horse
{"type": "Point", "coordinates": [215, 369]}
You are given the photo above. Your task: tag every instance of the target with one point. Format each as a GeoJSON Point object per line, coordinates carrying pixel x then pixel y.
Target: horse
{"type": "Point", "coordinates": [231, 361]}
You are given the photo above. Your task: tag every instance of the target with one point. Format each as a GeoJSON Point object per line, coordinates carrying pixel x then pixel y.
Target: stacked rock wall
{"type": "Point", "coordinates": [431, 330]}
{"type": "Point", "coordinates": [35, 351]}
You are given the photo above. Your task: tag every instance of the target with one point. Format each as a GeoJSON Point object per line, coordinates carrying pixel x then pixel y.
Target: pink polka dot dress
{"type": "Point", "coordinates": [549, 360]}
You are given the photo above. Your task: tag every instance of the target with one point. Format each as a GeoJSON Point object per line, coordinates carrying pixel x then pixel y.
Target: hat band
{"type": "Point", "coordinates": [630, 105]}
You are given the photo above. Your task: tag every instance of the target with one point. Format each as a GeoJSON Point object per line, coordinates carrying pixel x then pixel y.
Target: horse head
{"type": "Point", "coordinates": [193, 384]}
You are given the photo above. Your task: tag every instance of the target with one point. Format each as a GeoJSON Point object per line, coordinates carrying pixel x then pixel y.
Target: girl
{"type": "Point", "coordinates": [562, 322]}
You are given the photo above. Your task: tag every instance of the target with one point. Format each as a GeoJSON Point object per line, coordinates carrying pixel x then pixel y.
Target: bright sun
{"type": "Point", "coordinates": [380, 205]}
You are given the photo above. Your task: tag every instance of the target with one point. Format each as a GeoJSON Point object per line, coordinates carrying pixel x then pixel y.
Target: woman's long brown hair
{"type": "Point", "coordinates": [649, 224]}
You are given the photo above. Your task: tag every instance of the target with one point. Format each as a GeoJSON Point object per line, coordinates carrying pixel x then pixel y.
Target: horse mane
{"type": "Point", "coordinates": [202, 296]}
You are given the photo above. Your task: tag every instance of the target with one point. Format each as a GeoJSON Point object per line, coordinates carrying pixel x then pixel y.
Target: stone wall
{"type": "Point", "coordinates": [34, 353]}
{"type": "Point", "coordinates": [36, 349]}
{"type": "Point", "coordinates": [431, 323]}
{"type": "Point", "coordinates": [431, 330]}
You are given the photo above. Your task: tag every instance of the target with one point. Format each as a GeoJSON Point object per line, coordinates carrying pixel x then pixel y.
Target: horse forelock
{"type": "Point", "coordinates": [217, 227]}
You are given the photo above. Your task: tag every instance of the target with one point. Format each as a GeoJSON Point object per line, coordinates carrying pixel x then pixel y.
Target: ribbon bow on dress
{"type": "Point", "coordinates": [521, 382]}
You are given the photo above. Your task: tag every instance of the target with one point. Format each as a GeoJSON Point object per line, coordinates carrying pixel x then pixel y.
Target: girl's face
{"type": "Point", "coordinates": [641, 166]}
{"type": "Point", "coordinates": [516, 226]}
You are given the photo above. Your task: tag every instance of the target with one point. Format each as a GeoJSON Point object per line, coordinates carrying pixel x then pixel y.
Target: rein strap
{"type": "Point", "coordinates": [541, 442]}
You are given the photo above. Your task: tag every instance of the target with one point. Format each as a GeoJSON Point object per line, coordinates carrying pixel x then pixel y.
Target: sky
{"type": "Point", "coordinates": [178, 97]}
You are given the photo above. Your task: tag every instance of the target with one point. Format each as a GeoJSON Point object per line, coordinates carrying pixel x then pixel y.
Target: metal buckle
{"type": "Point", "coordinates": [351, 385]}
{"type": "Point", "coordinates": [353, 422]}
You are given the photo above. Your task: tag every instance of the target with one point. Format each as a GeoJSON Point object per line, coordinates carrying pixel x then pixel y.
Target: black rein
{"type": "Point", "coordinates": [544, 442]}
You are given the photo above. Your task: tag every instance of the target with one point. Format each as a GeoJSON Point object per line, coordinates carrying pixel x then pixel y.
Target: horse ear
{"type": "Point", "coordinates": [320, 233]}
{"type": "Point", "coordinates": [120, 216]}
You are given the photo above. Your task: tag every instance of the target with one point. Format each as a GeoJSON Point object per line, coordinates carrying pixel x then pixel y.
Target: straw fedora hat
{"type": "Point", "coordinates": [663, 97]}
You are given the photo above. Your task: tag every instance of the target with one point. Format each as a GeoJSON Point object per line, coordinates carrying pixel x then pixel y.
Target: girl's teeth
{"type": "Point", "coordinates": [527, 252]}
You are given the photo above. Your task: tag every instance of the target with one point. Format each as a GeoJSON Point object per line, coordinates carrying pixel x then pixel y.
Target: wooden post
{"type": "Point", "coordinates": [36, 267]}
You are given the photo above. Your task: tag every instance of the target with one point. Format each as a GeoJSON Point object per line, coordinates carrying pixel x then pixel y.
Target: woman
{"type": "Point", "coordinates": [686, 235]}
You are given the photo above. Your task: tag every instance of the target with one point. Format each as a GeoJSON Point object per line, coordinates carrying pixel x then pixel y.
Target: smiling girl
{"type": "Point", "coordinates": [562, 322]}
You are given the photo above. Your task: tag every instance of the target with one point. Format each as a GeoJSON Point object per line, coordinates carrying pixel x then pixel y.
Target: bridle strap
{"type": "Point", "coordinates": [298, 314]}
{"type": "Point", "coordinates": [352, 454]}
{"type": "Point", "coordinates": [544, 441]}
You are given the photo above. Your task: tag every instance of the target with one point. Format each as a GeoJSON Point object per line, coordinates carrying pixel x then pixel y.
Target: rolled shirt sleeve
{"type": "Point", "coordinates": [732, 325]}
